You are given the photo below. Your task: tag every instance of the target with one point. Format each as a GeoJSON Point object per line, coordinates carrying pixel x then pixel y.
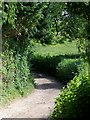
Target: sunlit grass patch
{"type": "Point", "coordinates": [58, 49]}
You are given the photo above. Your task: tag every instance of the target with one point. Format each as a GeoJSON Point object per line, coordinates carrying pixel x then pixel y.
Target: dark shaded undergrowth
{"type": "Point", "coordinates": [64, 67]}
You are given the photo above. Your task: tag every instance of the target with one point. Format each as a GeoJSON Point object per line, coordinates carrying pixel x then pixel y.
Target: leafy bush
{"type": "Point", "coordinates": [16, 77]}
{"type": "Point", "coordinates": [46, 63]}
{"type": "Point", "coordinates": [74, 99]}
{"type": "Point", "coordinates": [63, 69]}
{"type": "Point", "coordinates": [67, 68]}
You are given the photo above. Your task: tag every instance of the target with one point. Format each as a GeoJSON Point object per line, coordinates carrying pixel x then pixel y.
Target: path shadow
{"type": "Point", "coordinates": [49, 86]}
{"type": "Point", "coordinates": [51, 82]}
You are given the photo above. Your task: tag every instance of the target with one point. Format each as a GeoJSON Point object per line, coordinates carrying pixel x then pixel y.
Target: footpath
{"type": "Point", "coordinates": [39, 104]}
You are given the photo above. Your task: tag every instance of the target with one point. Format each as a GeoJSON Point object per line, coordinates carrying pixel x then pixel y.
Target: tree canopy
{"type": "Point", "coordinates": [47, 20]}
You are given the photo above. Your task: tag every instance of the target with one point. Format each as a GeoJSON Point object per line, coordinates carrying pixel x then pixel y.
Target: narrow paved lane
{"type": "Point", "coordinates": [38, 104]}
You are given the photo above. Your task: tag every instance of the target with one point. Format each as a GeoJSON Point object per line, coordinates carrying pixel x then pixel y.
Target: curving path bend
{"type": "Point", "coordinates": [38, 104]}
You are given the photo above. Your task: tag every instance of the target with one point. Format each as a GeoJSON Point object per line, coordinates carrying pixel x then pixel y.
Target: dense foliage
{"type": "Point", "coordinates": [74, 100]}
{"type": "Point", "coordinates": [16, 76]}
{"type": "Point", "coordinates": [67, 69]}
{"type": "Point", "coordinates": [82, 9]}
{"type": "Point", "coordinates": [47, 23]}
{"type": "Point", "coordinates": [16, 47]}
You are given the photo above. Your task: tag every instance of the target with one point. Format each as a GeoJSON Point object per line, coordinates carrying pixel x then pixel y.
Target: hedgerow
{"type": "Point", "coordinates": [74, 99]}
{"type": "Point", "coordinates": [64, 67]}
{"type": "Point", "coordinates": [16, 75]}
{"type": "Point", "coordinates": [67, 69]}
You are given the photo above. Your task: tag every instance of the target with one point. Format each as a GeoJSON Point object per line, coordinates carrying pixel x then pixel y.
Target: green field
{"type": "Point", "coordinates": [55, 50]}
